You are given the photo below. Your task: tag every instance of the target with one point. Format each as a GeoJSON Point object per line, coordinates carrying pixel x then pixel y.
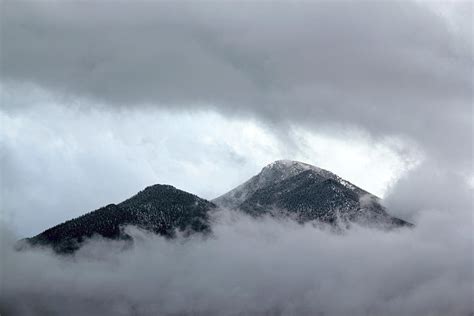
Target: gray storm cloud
{"type": "Point", "coordinates": [392, 67]}
{"type": "Point", "coordinates": [249, 267]}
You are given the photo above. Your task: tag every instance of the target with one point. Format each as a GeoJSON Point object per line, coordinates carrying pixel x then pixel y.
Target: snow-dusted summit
{"type": "Point", "coordinates": [272, 173]}
{"type": "Point", "coordinates": [306, 193]}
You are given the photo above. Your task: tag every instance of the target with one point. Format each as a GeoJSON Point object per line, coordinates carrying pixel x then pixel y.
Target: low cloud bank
{"type": "Point", "coordinates": [253, 267]}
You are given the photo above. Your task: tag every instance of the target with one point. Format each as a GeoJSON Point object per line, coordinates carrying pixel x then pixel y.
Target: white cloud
{"type": "Point", "coordinates": [373, 165]}
{"type": "Point", "coordinates": [60, 162]}
{"type": "Point", "coordinates": [254, 267]}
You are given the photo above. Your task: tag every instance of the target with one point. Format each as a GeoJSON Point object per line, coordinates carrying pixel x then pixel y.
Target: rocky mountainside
{"type": "Point", "coordinates": [307, 193]}
{"type": "Point", "coordinates": [161, 209]}
{"type": "Point", "coordinates": [283, 188]}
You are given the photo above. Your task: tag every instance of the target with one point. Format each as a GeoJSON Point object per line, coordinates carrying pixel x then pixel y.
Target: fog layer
{"type": "Point", "coordinates": [252, 267]}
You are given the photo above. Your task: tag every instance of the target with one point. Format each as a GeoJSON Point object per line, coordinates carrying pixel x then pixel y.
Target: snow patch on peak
{"type": "Point", "coordinates": [280, 170]}
{"type": "Point", "coordinates": [283, 169]}
{"type": "Point", "coordinates": [275, 172]}
{"type": "Point", "coordinates": [288, 167]}
{"type": "Point", "coordinates": [347, 184]}
{"type": "Point", "coordinates": [286, 163]}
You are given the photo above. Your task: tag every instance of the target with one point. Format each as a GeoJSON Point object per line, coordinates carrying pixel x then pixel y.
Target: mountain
{"type": "Point", "coordinates": [283, 188]}
{"type": "Point", "coordinates": [307, 193]}
{"type": "Point", "coordinates": [162, 209]}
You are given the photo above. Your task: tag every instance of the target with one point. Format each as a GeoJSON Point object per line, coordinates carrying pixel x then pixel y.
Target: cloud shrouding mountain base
{"type": "Point", "coordinates": [253, 267]}
{"type": "Point", "coordinates": [393, 68]}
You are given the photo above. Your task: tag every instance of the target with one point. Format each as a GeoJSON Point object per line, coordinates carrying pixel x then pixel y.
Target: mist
{"type": "Point", "coordinates": [95, 106]}
{"type": "Point", "coordinates": [252, 267]}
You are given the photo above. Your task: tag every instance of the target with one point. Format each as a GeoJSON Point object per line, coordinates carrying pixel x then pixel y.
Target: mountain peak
{"type": "Point", "coordinates": [162, 209]}
{"type": "Point", "coordinates": [286, 163]}
{"type": "Point", "coordinates": [289, 167]}
{"type": "Point", "coordinates": [309, 193]}
{"type": "Point", "coordinates": [272, 173]}
{"type": "Point", "coordinates": [282, 169]}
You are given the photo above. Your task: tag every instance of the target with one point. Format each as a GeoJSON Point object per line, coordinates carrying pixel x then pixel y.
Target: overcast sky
{"type": "Point", "coordinates": [95, 106]}
{"type": "Point", "coordinates": [100, 99]}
